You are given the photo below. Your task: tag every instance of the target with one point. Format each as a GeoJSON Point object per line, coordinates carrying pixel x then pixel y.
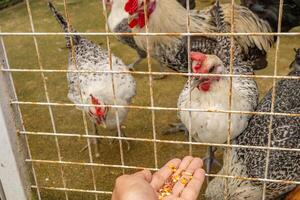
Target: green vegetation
{"type": "Point", "coordinates": [86, 16]}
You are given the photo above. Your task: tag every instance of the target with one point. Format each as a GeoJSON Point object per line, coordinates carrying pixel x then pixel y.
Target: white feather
{"type": "Point", "coordinates": [117, 14]}
{"type": "Point", "coordinates": [210, 126]}
{"type": "Point", "coordinates": [100, 86]}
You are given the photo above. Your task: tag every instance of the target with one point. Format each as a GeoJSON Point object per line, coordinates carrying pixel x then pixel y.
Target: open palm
{"type": "Point", "coordinates": [144, 185]}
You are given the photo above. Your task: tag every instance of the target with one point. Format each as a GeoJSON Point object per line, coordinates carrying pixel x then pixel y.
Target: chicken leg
{"type": "Point", "coordinates": [161, 69]}
{"type": "Point", "coordinates": [122, 135]}
{"type": "Point", "coordinates": [95, 143]}
{"type": "Point", "coordinates": [210, 159]}
{"type": "Point", "coordinates": [175, 128]}
{"type": "Point", "coordinates": [139, 59]}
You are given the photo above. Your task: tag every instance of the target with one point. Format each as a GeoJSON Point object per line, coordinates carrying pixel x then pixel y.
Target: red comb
{"type": "Point", "coordinates": [197, 56]}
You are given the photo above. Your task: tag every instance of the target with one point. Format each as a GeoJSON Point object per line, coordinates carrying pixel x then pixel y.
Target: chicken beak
{"type": "Point", "coordinates": [194, 82]}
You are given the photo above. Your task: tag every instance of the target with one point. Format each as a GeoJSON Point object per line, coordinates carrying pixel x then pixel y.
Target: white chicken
{"type": "Point", "coordinates": [211, 93]}
{"type": "Point", "coordinates": [96, 88]}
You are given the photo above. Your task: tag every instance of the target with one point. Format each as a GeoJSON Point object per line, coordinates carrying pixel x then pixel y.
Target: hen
{"type": "Point", "coordinates": [211, 93]}
{"type": "Point", "coordinates": [249, 162]}
{"type": "Point", "coordinates": [96, 88]}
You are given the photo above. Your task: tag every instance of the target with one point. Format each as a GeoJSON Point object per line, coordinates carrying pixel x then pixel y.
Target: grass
{"type": "Point", "coordinates": [86, 16]}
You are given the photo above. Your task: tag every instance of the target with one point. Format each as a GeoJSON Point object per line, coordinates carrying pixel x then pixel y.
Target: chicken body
{"type": "Point", "coordinates": [91, 57]}
{"type": "Point", "coordinates": [212, 127]}
{"type": "Point", "coordinates": [96, 87]}
{"type": "Point", "coordinates": [212, 93]}
{"type": "Point", "coordinates": [246, 162]}
{"type": "Point", "coordinates": [118, 23]}
{"type": "Point", "coordinates": [169, 17]}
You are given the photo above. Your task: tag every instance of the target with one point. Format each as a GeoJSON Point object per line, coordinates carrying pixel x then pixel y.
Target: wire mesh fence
{"type": "Point", "coordinates": [55, 132]}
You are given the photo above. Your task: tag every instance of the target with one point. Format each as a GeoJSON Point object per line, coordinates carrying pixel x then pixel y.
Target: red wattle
{"type": "Point", "coordinates": [133, 23]}
{"type": "Point", "coordinates": [205, 86]}
{"type": "Point", "coordinates": [141, 20]}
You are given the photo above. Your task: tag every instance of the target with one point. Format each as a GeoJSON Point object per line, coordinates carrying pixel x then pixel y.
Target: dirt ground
{"type": "Point", "coordinates": [86, 16]}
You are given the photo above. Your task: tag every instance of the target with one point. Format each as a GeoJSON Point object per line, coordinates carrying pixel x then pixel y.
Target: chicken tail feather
{"type": "Point", "coordinates": [65, 26]}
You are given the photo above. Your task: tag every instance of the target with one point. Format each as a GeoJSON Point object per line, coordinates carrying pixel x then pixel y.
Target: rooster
{"type": "Point", "coordinates": [248, 162]}
{"type": "Point", "coordinates": [168, 16]}
{"type": "Point", "coordinates": [96, 88]}
{"type": "Point", "coordinates": [118, 23]}
{"type": "Point", "coordinates": [269, 11]}
{"type": "Point", "coordinates": [211, 93]}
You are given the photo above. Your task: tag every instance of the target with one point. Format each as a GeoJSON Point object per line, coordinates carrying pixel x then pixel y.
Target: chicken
{"type": "Point", "coordinates": [211, 93]}
{"type": "Point", "coordinates": [269, 11]}
{"type": "Point", "coordinates": [249, 162]}
{"type": "Point", "coordinates": [96, 88]}
{"type": "Point", "coordinates": [168, 16]}
{"type": "Point", "coordinates": [118, 23]}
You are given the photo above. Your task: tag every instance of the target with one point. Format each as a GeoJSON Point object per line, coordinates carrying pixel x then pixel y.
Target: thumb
{"type": "Point", "coordinates": [144, 174]}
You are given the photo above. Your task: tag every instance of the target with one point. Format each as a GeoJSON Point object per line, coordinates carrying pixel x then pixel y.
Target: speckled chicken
{"type": "Point", "coordinates": [168, 16]}
{"type": "Point", "coordinates": [248, 162]}
{"type": "Point", "coordinates": [118, 23]}
{"type": "Point", "coordinates": [212, 93]}
{"type": "Point", "coordinates": [96, 88]}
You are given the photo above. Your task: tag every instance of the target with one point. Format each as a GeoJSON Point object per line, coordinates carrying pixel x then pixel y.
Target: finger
{"type": "Point", "coordinates": [192, 190]}
{"type": "Point", "coordinates": [184, 164]}
{"type": "Point", "coordinates": [159, 177]}
{"type": "Point", "coordinates": [186, 175]}
{"type": "Point", "coordinates": [144, 174]}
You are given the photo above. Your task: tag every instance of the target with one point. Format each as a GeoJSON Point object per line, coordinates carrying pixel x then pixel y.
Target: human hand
{"type": "Point", "coordinates": [145, 186]}
{"type": "Point", "coordinates": [182, 190]}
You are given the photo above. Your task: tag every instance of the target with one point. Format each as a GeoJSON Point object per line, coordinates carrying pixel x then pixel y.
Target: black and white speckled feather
{"type": "Point", "coordinates": [283, 165]}
{"type": "Point", "coordinates": [122, 27]}
{"type": "Point", "coordinates": [172, 51]}
{"type": "Point", "coordinates": [92, 57]}
{"type": "Point", "coordinates": [64, 25]}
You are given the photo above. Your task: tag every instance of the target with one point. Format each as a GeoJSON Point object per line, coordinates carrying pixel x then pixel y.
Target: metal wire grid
{"type": "Point", "coordinates": [150, 73]}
